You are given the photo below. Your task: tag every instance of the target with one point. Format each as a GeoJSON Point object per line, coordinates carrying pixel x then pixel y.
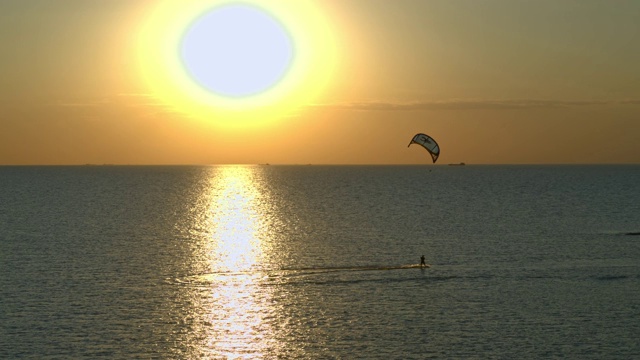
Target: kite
{"type": "Point", "coordinates": [428, 143]}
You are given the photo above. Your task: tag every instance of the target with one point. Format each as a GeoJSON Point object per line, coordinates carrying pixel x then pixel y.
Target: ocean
{"type": "Point", "coordinates": [320, 262]}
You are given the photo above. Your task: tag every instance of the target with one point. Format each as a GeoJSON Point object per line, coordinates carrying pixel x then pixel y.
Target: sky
{"type": "Point", "coordinates": [341, 81]}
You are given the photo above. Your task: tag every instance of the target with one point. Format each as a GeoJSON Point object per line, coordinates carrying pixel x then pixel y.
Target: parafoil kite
{"type": "Point", "coordinates": [428, 143]}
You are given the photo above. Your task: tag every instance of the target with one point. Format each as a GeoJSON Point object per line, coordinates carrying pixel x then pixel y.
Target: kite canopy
{"type": "Point", "coordinates": [428, 143]}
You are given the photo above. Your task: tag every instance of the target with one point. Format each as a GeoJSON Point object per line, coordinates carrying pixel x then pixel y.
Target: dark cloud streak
{"type": "Point", "coordinates": [473, 105]}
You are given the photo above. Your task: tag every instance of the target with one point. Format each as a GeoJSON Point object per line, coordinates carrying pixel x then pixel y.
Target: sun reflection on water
{"type": "Point", "coordinates": [234, 220]}
{"type": "Point", "coordinates": [234, 307]}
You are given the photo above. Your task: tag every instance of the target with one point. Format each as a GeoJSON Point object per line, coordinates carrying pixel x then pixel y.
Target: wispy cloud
{"type": "Point", "coordinates": [144, 104]}
{"type": "Point", "coordinates": [462, 104]}
{"type": "Point", "coordinates": [118, 99]}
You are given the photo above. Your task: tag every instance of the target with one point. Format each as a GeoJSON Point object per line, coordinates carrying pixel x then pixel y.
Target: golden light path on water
{"type": "Point", "coordinates": [234, 308]}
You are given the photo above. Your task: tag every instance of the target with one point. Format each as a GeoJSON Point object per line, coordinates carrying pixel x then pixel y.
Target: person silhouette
{"type": "Point", "coordinates": [422, 263]}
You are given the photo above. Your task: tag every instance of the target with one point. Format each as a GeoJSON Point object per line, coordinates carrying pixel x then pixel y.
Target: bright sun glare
{"type": "Point", "coordinates": [236, 50]}
{"type": "Point", "coordinates": [251, 60]}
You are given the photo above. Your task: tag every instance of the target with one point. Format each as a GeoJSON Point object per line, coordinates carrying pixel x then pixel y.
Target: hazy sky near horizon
{"type": "Point", "coordinates": [493, 81]}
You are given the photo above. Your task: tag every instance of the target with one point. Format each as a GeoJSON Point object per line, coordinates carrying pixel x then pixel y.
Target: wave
{"type": "Point", "coordinates": [611, 277]}
{"type": "Point", "coordinates": [354, 268]}
{"type": "Point", "coordinates": [295, 272]}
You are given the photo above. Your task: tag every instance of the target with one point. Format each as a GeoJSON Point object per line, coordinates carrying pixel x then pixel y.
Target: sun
{"type": "Point", "coordinates": [226, 61]}
{"type": "Point", "coordinates": [236, 50]}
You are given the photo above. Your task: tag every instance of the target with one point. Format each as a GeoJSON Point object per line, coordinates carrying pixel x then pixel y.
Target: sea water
{"type": "Point", "coordinates": [316, 262]}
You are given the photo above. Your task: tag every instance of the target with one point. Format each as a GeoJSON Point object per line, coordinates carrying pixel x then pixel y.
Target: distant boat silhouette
{"type": "Point", "coordinates": [459, 164]}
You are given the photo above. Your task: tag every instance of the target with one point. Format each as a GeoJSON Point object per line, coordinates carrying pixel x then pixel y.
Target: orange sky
{"type": "Point", "coordinates": [492, 81]}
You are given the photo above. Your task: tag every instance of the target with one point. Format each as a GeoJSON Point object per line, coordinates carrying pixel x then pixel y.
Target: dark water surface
{"type": "Point", "coordinates": [319, 262]}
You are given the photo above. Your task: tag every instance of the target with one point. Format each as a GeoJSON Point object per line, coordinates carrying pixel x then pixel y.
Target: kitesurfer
{"type": "Point", "coordinates": [422, 263]}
